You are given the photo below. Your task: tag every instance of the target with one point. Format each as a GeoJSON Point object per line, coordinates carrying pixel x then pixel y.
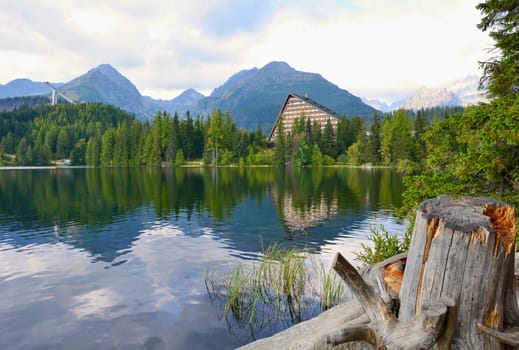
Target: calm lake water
{"type": "Point", "coordinates": [116, 258]}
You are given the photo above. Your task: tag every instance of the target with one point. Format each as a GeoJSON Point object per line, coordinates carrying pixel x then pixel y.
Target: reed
{"type": "Point", "coordinates": [285, 285]}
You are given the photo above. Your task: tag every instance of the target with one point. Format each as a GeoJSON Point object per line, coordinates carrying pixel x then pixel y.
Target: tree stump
{"type": "Point", "coordinates": [454, 290]}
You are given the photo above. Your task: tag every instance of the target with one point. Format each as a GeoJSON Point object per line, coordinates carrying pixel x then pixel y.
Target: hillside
{"type": "Point", "coordinates": [105, 84]}
{"type": "Point", "coordinates": [256, 95]}
{"type": "Point", "coordinates": [23, 87]}
{"type": "Point", "coordinates": [187, 100]}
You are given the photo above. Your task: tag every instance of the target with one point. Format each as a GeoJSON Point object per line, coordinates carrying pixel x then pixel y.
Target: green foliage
{"type": "Point", "coordinates": [317, 156]}
{"type": "Point", "coordinates": [385, 246]}
{"type": "Point", "coordinates": [342, 159]}
{"type": "Point", "coordinates": [226, 157]}
{"type": "Point", "coordinates": [179, 158]}
{"type": "Point", "coordinates": [327, 160]}
{"type": "Point", "coordinates": [501, 20]}
{"type": "Point", "coordinates": [101, 135]}
{"type": "Point", "coordinates": [354, 153]}
{"type": "Point", "coordinates": [303, 156]}
{"type": "Point", "coordinates": [474, 153]}
{"type": "Point", "coordinates": [396, 141]}
{"type": "Point", "coordinates": [285, 284]}
{"type": "Point", "coordinates": [280, 157]}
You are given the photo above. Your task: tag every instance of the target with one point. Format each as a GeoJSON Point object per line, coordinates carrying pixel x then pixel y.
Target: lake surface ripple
{"type": "Point", "coordinates": [116, 258]}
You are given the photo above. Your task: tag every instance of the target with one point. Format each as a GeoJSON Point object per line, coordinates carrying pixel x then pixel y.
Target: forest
{"type": "Point", "coordinates": [94, 134]}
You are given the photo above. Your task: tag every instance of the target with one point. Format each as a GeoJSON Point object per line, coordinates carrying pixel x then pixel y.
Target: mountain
{"type": "Point", "coordinates": [430, 97]}
{"type": "Point", "coordinates": [256, 95]}
{"type": "Point", "coordinates": [377, 104]}
{"type": "Point", "coordinates": [105, 84]}
{"type": "Point", "coordinates": [23, 87]}
{"type": "Point", "coordinates": [468, 91]}
{"type": "Point", "coordinates": [180, 104]}
{"type": "Point", "coordinates": [463, 92]}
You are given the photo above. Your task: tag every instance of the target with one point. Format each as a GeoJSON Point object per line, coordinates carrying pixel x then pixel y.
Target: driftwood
{"type": "Point", "coordinates": [454, 289]}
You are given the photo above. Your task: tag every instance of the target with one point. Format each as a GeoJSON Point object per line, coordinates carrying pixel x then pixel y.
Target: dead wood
{"type": "Point", "coordinates": [454, 289]}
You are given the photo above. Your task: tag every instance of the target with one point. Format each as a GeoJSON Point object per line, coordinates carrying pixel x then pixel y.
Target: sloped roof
{"type": "Point", "coordinates": [306, 99]}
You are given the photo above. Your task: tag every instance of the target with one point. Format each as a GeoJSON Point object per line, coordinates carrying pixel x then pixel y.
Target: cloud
{"type": "Point", "coordinates": [369, 47]}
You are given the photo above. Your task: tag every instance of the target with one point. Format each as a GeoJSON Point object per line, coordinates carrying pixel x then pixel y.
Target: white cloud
{"type": "Point", "coordinates": [372, 48]}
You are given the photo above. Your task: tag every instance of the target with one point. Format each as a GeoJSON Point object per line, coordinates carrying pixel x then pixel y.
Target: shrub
{"type": "Point", "coordinates": [385, 246]}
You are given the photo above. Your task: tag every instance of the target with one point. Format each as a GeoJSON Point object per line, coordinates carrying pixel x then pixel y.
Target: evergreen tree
{"type": "Point", "coordinates": [179, 158]}
{"type": "Point", "coordinates": [107, 146]}
{"type": "Point", "coordinates": [501, 20]}
{"type": "Point", "coordinates": [22, 156]}
{"type": "Point", "coordinates": [373, 146]}
{"type": "Point", "coordinates": [308, 132]}
{"type": "Point", "coordinates": [401, 142]}
{"type": "Point", "coordinates": [188, 136]}
{"type": "Point", "coordinates": [280, 145]}
{"type": "Point", "coordinates": [316, 133]}
{"type": "Point", "coordinates": [63, 144]}
{"type": "Point", "coordinates": [93, 151]}
{"type": "Point", "coordinates": [215, 135]}
{"type": "Point", "coordinates": [77, 155]}
{"type": "Point", "coordinates": [344, 139]}
{"type": "Point", "coordinates": [420, 124]}
{"type": "Point", "coordinates": [154, 154]}
{"type": "Point", "coordinates": [329, 145]}
{"type": "Point", "coordinates": [172, 144]}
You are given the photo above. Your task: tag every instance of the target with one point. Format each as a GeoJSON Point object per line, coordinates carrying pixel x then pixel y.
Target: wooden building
{"type": "Point", "coordinates": [296, 106]}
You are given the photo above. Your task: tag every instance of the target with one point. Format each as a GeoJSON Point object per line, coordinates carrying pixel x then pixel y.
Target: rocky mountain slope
{"type": "Point", "coordinates": [105, 84]}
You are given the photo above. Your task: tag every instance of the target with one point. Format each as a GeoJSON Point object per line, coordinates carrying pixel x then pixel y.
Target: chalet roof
{"type": "Point", "coordinates": [315, 104]}
{"type": "Point", "coordinates": [306, 99]}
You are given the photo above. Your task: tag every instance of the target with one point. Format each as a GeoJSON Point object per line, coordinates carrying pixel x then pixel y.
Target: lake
{"type": "Point", "coordinates": [116, 258]}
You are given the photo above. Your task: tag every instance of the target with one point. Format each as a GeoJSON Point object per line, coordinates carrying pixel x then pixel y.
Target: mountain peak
{"type": "Point", "coordinates": [107, 70]}
{"type": "Point", "coordinates": [255, 96]}
{"type": "Point", "coordinates": [105, 84]}
{"type": "Point", "coordinates": [278, 66]}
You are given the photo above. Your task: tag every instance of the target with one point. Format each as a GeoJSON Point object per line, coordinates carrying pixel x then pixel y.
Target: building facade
{"type": "Point", "coordinates": [296, 106]}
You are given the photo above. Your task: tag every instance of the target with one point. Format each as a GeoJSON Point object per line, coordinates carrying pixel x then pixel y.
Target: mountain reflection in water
{"type": "Point", "coordinates": [115, 258]}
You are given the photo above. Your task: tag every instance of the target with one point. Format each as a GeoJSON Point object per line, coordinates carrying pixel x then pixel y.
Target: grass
{"type": "Point", "coordinates": [284, 287]}
{"type": "Point", "coordinates": [287, 286]}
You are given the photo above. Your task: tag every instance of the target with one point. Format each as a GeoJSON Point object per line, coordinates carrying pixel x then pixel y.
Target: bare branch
{"type": "Point", "coordinates": [352, 333]}
{"type": "Point", "coordinates": [510, 337]}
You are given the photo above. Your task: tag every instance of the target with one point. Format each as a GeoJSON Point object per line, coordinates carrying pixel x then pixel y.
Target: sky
{"type": "Point", "coordinates": [383, 49]}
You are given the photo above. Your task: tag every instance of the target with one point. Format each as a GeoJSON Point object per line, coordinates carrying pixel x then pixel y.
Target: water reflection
{"type": "Point", "coordinates": [100, 210]}
{"type": "Point", "coordinates": [122, 253]}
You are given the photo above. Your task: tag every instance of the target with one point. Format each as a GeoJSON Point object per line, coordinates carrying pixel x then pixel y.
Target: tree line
{"type": "Point", "coordinates": [95, 134]}
{"type": "Point", "coordinates": [393, 139]}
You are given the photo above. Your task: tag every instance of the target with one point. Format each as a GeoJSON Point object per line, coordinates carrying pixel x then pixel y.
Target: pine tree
{"type": "Point", "coordinates": [501, 74]}
{"type": "Point", "coordinates": [215, 135]}
{"type": "Point", "coordinates": [280, 145]}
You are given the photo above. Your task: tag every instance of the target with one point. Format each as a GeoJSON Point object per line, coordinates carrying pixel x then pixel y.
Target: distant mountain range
{"type": "Point", "coordinates": [23, 87]}
{"type": "Point", "coordinates": [180, 104]}
{"type": "Point", "coordinates": [254, 96]}
{"type": "Point", "coordinates": [462, 93]}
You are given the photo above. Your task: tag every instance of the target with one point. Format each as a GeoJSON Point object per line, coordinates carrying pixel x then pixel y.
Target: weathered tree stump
{"type": "Point", "coordinates": [454, 290]}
